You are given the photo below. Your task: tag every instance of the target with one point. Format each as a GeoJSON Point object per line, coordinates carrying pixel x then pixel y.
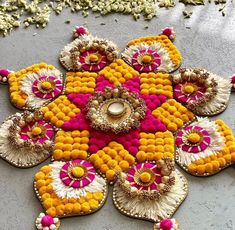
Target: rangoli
{"type": "Point", "coordinates": [118, 121]}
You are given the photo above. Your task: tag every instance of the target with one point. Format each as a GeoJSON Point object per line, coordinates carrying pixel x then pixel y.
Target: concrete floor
{"type": "Point", "coordinates": [205, 40]}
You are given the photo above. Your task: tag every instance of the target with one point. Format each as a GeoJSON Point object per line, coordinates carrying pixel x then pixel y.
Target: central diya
{"type": "Point", "coordinates": [116, 110]}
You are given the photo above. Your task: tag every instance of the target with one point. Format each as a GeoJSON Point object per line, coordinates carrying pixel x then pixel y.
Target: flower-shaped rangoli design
{"type": "Point", "coordinates": [116, 121]}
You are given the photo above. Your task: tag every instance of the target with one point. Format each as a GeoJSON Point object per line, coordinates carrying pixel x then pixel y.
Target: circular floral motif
{"type": "Point", "coordinates": [145, 176]}
{"type": "Point", "coordinates": [146, 60]}
{"type": "Point", "coordinates": [194, 87]}
{"type": "Point", "coordinates": [193, 139]}
{"type": "Point", "coordinates": [187, 91]}
{"type": "Point", "coordinates": [44, 84]}
{"type": "Point", "coordinates": [93, 60]}
{"type": "Point", "coordinates": [88, 53]}
{"type": "Point", "coordinates": [37, 132]}
{"type": "Point", "coordinates": [47, 87]}
{"type": "Point", "coordinates": [77, 173]}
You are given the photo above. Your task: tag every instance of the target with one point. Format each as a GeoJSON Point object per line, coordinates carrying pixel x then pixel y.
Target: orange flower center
{"type": "Point", "coordinates": [78, 172]}
{"type": "Point", "coordinates": [46, 85]}
{"type": "Point", "coordinates": [194, 138]}
{"type": "Point", "coordinates": [36, 131]}
{"type": "Point", "coordinates": [93, 58]}
{"type": "Point", "coordinates": [189, 89]}
{"type": "Point", "coordinates": [146, 59]}
{"type": "Point", "coordinates": [145, 177]}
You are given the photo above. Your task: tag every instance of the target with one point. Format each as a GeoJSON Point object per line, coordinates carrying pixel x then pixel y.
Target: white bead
{"type": "Point", "coordinates": [56, 220]}
{"type": "Point", "coordinates": [4, 79]}
{"type": "Point", "coordinates": [38, 220]}
{"type": "Point", "coordinates": [45, 228]}
{"type": "Point", "coordinates": [41, 214]}
{"type": "Point", "coordinates": [52, 227]}
{"type": "Point", "coordinates": [133, 189]}
{"type": "Point", "coordinates": [39, 227]}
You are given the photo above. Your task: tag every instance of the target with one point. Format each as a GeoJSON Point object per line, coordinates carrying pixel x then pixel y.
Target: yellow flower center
{"type": "Point", "coordinates": [46, 85]}
{"type": "Point", "coordinates": [194, 138]}
{"type": "Point", "coordinates": [189, 89]}
{"type": "Point", "coordinates": [78, 172]}
{"type": "Point", "coordinates": [36, 131]}
{"type": "Point", "coordinates": [146, 59]}
{"type": "Point", "coordinates": [93, 58]}
{"type": "Point", "coordinates": [145, 177]}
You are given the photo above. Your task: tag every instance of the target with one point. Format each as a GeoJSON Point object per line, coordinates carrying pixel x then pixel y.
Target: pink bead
{"type": "Point", "coordinates": [47, 221]}
{"type": "Point", "coordinates": [67, 126]}
{"type": "Point", "coordinates": [232, 79]}
{"type": "Point", "coordinates": [81, 30]}
{"type": "Point", "coordinates": [162, 98]}
{"type": "Point", "coordinates": [4, 72]}
{"type": "Point", "coordinates": [93, 149]}
{"type": "Point", "coordinates": [133, 150]}
{"type": "Point", "coordinates": [166, 224]}
{"type": "Point", "coordinates": [169, 32]}
{"type": "Point", "coordinates": [161, 127]}
{"type": "Point", "coordinates": [135, 142]}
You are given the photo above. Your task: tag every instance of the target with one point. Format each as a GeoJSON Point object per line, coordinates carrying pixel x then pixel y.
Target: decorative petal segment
{"type": "Point", "coordinates": [112, 159]}
{"type": "Point", "coordinates": [155, 146]}
{"type": "Point", "coordinates": [152, 54]}
{"type": "Point", "coordinates": [59, 111]}
{"type": "Point", "coordinates": [61, 199]}
{"type": "Point", "coordinates": [88, 53]}
{"type": "Point", "coordinates": [80, 82]}
{"type": "Point", "coordinates": [71, 145]}
{"type": "Point", "coordinates": [118, 72]}
{"type": "Point", "coordinates": [156, 84]}
{"type": "Point", "coordinates": [173, 115]}
{"type": "Point", "coordinates": [202, 91]}
{"type": "Point", "coordinates": [35, 86]}
{"type": "Point", "coordinates": [213, 151]}
{"type": "Point", "coordinates": [150, 191]}
{"type": "Point", "coordinates": [26, 139]}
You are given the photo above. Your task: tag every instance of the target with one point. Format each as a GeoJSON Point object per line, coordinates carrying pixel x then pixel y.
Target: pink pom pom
{"type": "Point", "coordinates": [232, 79]}
{"type": "Point", "coordinates": [47, 221]}
{"type": "Point", "coordinates": [93, 149]}
{"type": "Point", "coordinates": [166, 224]}
{"type": "Point", "coordinates": [133, 150]}
{"type": "Point", "coordinates": [4, 72]}
{"type": "Point", "coordinates": [169, 32]}
{"type": "Point", "coordinates": [67, 126]}
{"type": "Point", "coordinates": [80, 30]}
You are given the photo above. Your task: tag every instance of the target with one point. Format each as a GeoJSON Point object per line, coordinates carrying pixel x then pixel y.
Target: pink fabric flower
{"type": "Point", "coordinates": [46, 134]}
{"type": "Point", "coordinates": [201, 146]}
{"type": "Point", "coordinates": [80, 30]}
{"type": "Point", "coordinates": [77, 183]}
{"type": "Point", "coordinates": [151, 66]}
{"type": "Point", "coordinates": [57, 87]}
{"type": "Point", "coordinates": [169, 32]}
{"type": "Point", "coordinates": [181, 96]}
{"type": "Point", "coordinates": [96, 66]}
{"type": "Point", "coordinates": [150, 167]}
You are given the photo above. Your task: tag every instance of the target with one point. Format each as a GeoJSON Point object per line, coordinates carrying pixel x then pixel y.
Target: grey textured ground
{"type": "Point", "coordinates": [209, 43]}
